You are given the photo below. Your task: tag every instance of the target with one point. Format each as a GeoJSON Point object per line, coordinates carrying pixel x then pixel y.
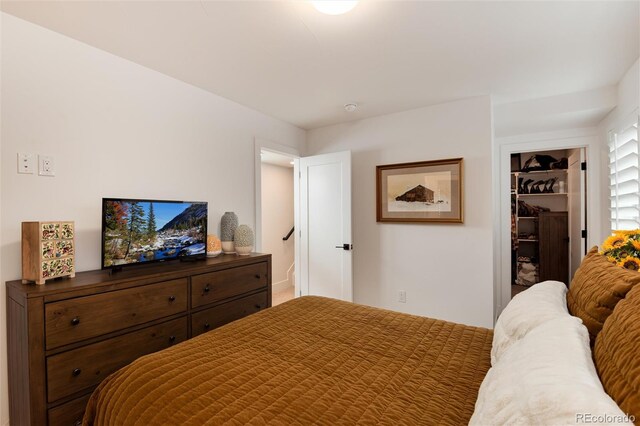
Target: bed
{"type": "Point", "coordinates": [555, 356]}
{"type": "Point", "coordinates": [310, 360]}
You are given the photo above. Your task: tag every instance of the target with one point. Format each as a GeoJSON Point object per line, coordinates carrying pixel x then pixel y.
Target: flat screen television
{"type": "Point", "coordinates": [144, 231]}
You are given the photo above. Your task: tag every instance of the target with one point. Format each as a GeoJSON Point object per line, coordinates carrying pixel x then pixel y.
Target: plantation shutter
{"type": "Point", "coordinates": [624, 174]}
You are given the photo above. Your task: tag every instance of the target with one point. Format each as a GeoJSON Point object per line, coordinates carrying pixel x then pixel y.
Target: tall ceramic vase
{"type": "Point", "coordinates": [228, 226]}
{"type": "Point", "coordinates": [243, 240]}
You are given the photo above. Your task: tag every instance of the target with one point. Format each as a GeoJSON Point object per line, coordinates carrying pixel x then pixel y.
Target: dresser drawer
{"type": "Point", "coordinates": [207, 320]}
{"type": "Point", "coordinates": [69, 414]}
{"type": "Point", "coordinates": [77, 319]}
{"type": "Point", "coordinates": [214, 286]}
{"type": "Point", "coordinates": [85, 367]}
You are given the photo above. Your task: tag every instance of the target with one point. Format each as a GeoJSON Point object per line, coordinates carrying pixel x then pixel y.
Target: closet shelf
{"type": "Point", "coordinates": [540, 172]}
{"type": "Point", "coordinates": [543, 194]}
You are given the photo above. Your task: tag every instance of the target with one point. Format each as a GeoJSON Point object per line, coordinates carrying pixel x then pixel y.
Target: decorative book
{"type": "Point", "coordinates": [48, 250]}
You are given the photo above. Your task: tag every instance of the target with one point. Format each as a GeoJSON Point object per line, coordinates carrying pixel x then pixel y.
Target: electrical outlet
{"type": "Point", "coordinates": [46, 166]}
{"type": "Point", "coordinates": [402, 296]}
{"type": "Point", "coordinates": [25, 163]}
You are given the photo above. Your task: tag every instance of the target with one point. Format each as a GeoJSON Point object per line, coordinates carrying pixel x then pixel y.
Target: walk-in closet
{"type": "Point", "coordinates": [548, 216]}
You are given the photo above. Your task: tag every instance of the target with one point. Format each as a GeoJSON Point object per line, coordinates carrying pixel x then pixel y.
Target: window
{"type": "Point", "coordinates": [624, 174]}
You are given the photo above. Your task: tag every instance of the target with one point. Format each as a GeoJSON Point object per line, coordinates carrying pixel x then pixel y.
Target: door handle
{"type": "Point", "coordinates": [345, 247]}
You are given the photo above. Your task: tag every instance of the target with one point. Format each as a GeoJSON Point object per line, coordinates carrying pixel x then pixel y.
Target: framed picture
{"type": "Point", "coordinates": [425, 191]}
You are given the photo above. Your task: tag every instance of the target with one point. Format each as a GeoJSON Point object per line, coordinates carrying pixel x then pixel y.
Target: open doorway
{"type": "Point", "coordinates": [277, 216]}
{"type": "Point", "coordinates": [526, 145]}
{"type": "Point", "coordinates": [548, 216]}
{"type": "Point", "coordinates": [315, 197]}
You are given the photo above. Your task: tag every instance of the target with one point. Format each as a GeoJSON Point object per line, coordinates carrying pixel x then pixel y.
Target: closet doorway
{"type": "Point", "coordinates": [548, 216]}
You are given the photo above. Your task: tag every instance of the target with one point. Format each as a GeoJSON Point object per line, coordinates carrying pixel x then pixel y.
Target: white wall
{"type": "Point", "coordinates": [554, 113]}
{"type": "Point", "coordinates": [628, 97]}
{"type": "Point", "coordinates": [629, 91]}
{"type": "Point", "coordinates": [446, 269]}
{"type": "Point", "coordinates": [115, 129]}
{"type": "Point", "coordinates": [277, 220]}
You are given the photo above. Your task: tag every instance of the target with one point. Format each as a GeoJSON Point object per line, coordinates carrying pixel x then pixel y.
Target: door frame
{"type": "Point", "coordinates": [259, 146]}
{"type": "Point", "coordinates": [580, 138]}
{"type": "Point", "coordinates": [582, 193]}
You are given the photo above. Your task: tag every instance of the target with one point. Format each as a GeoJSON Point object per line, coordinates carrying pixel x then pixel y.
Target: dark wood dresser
{"type": "Point", "coordinates": [66, 336]}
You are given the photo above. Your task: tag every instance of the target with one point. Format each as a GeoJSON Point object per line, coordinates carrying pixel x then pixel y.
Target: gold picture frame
{"type": "Point", "coordinates": [422, 192]}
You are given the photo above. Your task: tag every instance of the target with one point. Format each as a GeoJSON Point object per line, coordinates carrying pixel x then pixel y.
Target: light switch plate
{"type": "Point", "coordinates": [46, 166]}
{"type": "Point", "coordinates": [26, 163]}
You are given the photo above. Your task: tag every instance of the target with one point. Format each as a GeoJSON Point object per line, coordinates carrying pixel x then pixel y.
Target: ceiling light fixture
{"type": "Point", "coordinates": [334, 7]}
{"type": "Point", "coordinates": [350, 107]}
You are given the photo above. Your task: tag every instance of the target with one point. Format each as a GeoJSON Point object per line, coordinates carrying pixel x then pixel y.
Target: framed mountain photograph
{"type": "Point", "coordinates": [425, 191]}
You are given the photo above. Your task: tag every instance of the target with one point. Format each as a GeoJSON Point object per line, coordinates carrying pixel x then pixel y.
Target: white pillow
{"type": "Point", "coordinates": [546, 378]}
{"type": "Point", "coordinates": [536, 305]}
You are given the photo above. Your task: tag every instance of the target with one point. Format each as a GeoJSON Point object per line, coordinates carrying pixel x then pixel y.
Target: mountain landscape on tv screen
{"type": "Point", "coordinates": [143, 231]}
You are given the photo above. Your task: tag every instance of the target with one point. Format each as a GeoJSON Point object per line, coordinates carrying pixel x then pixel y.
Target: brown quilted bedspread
{"type": "Point", "coordinates": [309, 361]}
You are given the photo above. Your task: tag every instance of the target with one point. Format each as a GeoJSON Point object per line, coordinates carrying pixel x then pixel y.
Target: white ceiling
{"type": "Point", "coordinates": [288, 60]}
{"type": "Point", "coordinates": [276, 159]}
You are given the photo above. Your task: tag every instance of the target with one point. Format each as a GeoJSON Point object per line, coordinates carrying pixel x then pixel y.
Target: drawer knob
{"type": "Point", "coordinates": [75, 321]}
{"type": "Point", "coordinates": [76, 372]}
{"type": "Point", "coordinates": [172, 298]}
{"type": "Point", "coordinates": [258, 276]}
{"type": "Point", "coordinates": [258, 307]}
{"type": "Point", "coordinates": [207, 326]}
{"type": "Point", "coordinates": [172, 339]}
{"type": "Point", "coordinates": [206, 288]}
{"type": "Point", "coordinates": [77, 423]}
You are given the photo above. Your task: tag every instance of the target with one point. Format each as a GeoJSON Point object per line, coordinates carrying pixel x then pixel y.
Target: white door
{"type": "Point", "coordinates": [323, 222]}
{"type": "Point", "coordinates": [577, 202]}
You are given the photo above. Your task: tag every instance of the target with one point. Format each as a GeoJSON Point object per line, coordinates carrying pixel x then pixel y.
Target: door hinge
{"type": "Point", "coordinates": [299, 175]}
{"type": "Point", "coordinates": [583, 165]}
{"type": "Point", "coordinates": [584, 233]}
